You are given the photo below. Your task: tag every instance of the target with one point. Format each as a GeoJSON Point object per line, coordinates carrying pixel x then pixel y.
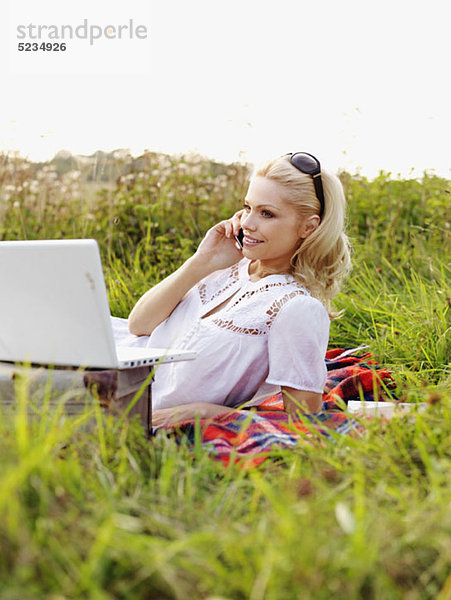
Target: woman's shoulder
{"type": "Point", "coordinates": [304, 301]}
{"type": "Point", "coordinates": [301, 310]}
{"type": "Point", "coordinates": [294, 301]}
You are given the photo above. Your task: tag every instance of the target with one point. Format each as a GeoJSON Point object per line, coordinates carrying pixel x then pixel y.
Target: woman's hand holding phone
{"type": "Point", "coordinates": [219, 247]}
{"type": "Point", "coordinates": [217, 251]}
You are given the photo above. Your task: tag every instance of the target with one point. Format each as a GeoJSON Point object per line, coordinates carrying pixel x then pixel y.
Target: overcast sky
{"type": "Point", "coordinates": [364, 85]}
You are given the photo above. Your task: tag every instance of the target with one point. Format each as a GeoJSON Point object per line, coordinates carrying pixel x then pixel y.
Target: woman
{"type": "Point", "coordinates": [257, 316]}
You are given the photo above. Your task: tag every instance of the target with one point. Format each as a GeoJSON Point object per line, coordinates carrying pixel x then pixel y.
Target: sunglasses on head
{"type": "Point", "coordinates": [308, 164]}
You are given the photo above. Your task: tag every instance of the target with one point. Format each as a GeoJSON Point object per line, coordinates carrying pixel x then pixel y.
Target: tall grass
{"type": "Point", "coordinates": [103, 513]}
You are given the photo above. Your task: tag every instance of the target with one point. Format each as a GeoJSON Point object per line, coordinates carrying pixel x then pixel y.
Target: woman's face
{"type": "Point", "coordinates": [272, 228]}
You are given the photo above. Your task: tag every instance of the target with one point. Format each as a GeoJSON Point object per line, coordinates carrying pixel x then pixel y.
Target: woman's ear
{"type": "Point", "coordinates": [308, 226]}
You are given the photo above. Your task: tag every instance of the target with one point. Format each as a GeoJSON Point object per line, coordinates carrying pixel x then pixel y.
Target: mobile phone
{"type": "Point", "coordinates": [239, 238]}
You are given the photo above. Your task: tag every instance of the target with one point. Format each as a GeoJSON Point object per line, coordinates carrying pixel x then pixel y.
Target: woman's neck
{"type": "Point", "coordinates": [257, 270]}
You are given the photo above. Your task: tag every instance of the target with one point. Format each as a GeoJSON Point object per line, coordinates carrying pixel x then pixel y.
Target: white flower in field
{"type": "Point", "coordinates": [16, 204]}
{"type": "Point", "coordinates": [344, 517]}
{"type": "Point", "coordinates": [10, 188]}
{"type": "Point", "coordinates": [221, 178]}
{"type": "Point", "coordinates": [182, 168]}
{"type": "Point", "coordinates": [193, 157]}
{"type": "Point", "coordinates": [34, 186]}
{"type": "Point", "coordinates": [26, 184]}
{"type": "Point", "coordinates": [196, 169]}
{"type": "Point", "coordinates": [74, 175]}
{"type": "Point", "coordinates": [164, 162]}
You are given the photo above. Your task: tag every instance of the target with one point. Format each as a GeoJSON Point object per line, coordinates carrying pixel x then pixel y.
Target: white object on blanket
{"type": "Point", "coordinates": [383, 409]}
{"type": "Point", "coordinates": [351, 351]}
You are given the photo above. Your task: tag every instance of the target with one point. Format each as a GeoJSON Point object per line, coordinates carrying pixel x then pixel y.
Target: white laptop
{"type": "Point", "coordinates": [54, 309]}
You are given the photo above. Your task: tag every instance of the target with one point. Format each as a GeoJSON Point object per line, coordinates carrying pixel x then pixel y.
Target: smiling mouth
{"type": "Point", "coordinates": [248, 241]}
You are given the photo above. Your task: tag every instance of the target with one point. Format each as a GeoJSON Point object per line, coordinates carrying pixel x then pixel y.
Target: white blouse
{"type": "Point", "coordinates": [271, 333]}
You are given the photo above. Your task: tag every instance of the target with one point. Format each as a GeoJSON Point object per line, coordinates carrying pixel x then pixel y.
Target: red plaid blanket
{"type": "Point", "coordinates": [250, 436]}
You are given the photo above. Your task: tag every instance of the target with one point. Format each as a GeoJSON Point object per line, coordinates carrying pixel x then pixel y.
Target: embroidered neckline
{"type": "Point", "coordinates": [264, 288]}
{"type": "Point", "coordinates": [240, 271]}
{"type": "Point", "coordinates": [272, 313]}
{"type": "Point", "coordinates": [233, 278]}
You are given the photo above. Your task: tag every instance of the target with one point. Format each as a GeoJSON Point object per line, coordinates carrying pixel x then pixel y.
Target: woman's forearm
{"type": "Point", "coordinates": [158, 303]}
{"type": "Point", "coordinates": [184, 412]}
{"type": "Point", "coordinates": [294, 400]}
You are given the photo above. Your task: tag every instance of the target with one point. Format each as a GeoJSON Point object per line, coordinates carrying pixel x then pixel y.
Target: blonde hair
{"type": "Point", "coordinates": [322, 260]}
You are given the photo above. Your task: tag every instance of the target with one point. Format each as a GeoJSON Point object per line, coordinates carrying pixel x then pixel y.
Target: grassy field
{"type": "Point", "coordinates": [104, 513]}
